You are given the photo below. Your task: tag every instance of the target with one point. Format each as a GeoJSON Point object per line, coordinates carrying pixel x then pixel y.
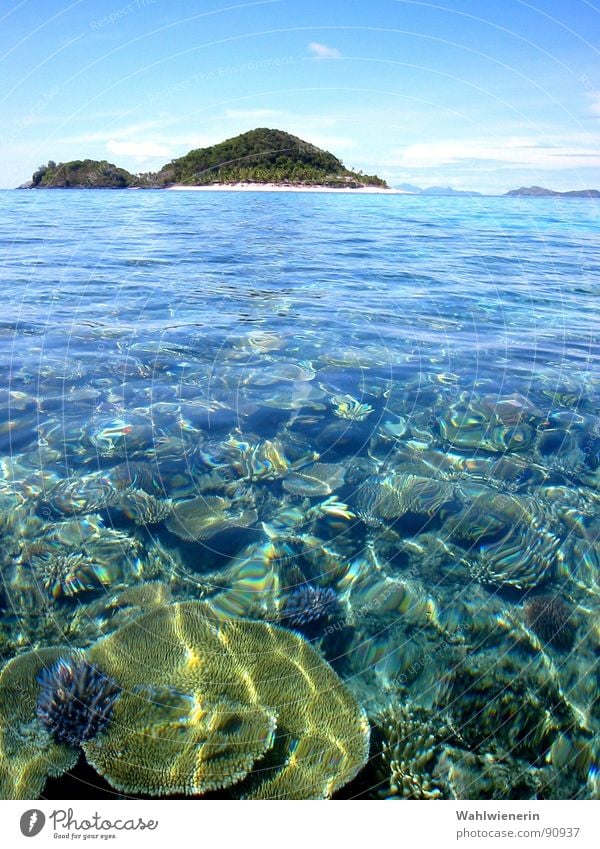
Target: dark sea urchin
{"type": "Point", "coordinates": [307, 605]}
{"type": "Point", "coordinates": [75, 700]}
{"type": "Point", "coordinates": [552, 620]}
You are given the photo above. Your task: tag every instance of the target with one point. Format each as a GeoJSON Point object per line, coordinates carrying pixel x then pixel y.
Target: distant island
{"type": "Point", "coordinates": [260, 157]}
{"type": "Point", "coordinates": [539, 192]}
{"type": "Point", "coordinates": [438, 191]}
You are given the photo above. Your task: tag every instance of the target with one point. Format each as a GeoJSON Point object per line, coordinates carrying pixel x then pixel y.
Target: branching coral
{"type": "Point", "coordinates": [409, 752]}
{"type": "Point", "coordinates": [499, 698]}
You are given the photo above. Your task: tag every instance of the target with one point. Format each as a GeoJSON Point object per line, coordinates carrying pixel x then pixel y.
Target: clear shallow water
{"type": "Point", "coordinates": [373, 419]}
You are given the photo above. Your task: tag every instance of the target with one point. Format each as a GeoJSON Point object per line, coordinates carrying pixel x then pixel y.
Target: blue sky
{"type": "Point", "coordinates": [476, 94]}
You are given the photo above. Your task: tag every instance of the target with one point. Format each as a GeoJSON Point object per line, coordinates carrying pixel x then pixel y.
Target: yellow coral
{"type": "Point", "coordinates": [202, 517]}
{"type": "Point", "coordinates": [28, 753]}
{"type": "Point", "coordinates": [203, 699]}
{"type": "Point", "coordinates": [167, 741]}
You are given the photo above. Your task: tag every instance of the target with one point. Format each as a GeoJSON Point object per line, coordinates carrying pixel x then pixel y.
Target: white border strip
{"type": "Point", "coordinates": [294, 825]}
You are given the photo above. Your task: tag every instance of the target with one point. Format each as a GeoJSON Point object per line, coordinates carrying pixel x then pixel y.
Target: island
{"type": "Point", "coordinates": [446, 191]}
{"type": "Point", "coordinates": [539, 192]}
{"type": "Point", "coordinates": [258, 157]}
{"type": "Point", "coordinates": [81, 174]}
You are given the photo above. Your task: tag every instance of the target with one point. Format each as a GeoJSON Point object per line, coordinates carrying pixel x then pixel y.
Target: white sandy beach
{"type": "Point", "coordinates": [274, 187]}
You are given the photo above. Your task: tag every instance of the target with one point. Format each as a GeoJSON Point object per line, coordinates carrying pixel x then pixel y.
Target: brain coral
{"type": "Point", "coordinates": [204, 700]}
{"type": "Point", "coordinates": [28, 752]}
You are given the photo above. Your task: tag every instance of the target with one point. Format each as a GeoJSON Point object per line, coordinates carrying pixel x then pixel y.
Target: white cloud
{"type": "Point", "coordinates": [111, 133]}
{"type": "Point", "coordinates": [324, 51]}
{"type": "Point", "coordinates": [594, 107]}
{"type": "Point", "coordinates": [139, 150]}
{"type": "Point", "coordinates": [533, 153]}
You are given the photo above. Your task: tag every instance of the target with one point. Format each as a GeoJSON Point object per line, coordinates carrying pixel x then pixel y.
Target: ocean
{"type": "Point", "coordinates": [373, 421]}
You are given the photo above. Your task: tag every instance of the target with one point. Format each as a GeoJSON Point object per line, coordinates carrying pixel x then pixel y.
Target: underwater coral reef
{"type": "Point", "coordinates": [453, 589]}
{"type": "Point", "coordinates": [299, 526]}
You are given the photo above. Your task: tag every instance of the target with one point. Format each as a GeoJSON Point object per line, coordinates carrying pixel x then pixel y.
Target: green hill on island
{"type": "Point", "coordinates": [82, 174]}
{"type": "Point", "coordinates": [258, 156]}
{"type": "Point", "coordinates": [263, 156]}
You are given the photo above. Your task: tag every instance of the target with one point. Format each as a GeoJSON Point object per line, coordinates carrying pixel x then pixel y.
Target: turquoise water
{"type": "Point", "coordinates": [371, 419]}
